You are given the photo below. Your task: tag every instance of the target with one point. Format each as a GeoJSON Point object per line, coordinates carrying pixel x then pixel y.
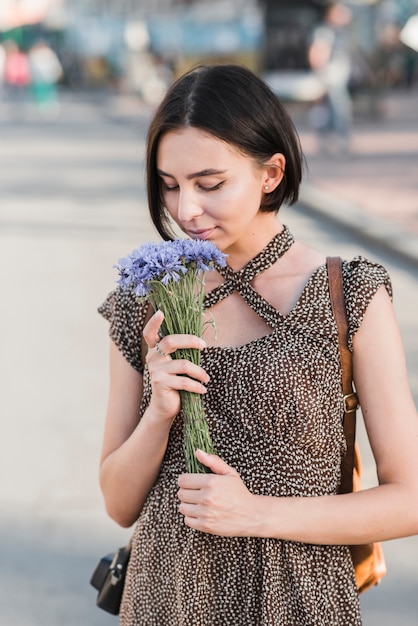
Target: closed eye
{"type": "Point", "coordinates": [214, 188]}
{"type": "Point", "coordinates": [166, 187]}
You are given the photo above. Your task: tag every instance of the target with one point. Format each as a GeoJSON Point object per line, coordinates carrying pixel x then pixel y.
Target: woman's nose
{"type": "Point", "coordinates": [188, 206]}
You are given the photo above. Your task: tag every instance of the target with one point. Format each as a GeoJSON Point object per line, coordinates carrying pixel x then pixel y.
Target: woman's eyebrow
{"type": "Point", "coordinates": [206, 172]}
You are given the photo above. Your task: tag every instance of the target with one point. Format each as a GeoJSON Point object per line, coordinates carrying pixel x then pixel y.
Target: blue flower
{"type": "Point", "coordinates": [166, 262]}
{"type": "Point", "coordinates": [202, 254]}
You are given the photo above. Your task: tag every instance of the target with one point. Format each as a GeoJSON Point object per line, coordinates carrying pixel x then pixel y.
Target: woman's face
{"type": "Point", "coordinates": [210, 189]}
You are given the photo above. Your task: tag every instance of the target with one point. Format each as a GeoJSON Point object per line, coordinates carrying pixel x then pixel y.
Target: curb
{"type": "Point", "coordinates": [377, 231]}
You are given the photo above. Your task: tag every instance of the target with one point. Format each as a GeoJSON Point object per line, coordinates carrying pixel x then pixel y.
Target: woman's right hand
{"type": "Point", "coordinates": [169, 376]}
{"type": "Point", "coordinates": [133, 448]}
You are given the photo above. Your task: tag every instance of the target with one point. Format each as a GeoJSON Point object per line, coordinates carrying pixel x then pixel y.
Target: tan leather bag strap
{"type": "Point", "coordinates": [336, 290]}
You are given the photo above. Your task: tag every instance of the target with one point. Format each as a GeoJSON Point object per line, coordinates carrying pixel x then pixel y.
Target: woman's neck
{"type": "Point", "coordinates": [246, 248]}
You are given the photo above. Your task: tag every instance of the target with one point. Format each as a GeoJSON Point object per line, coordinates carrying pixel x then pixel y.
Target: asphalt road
{"type": "Point", "coordinates": [71, 203]}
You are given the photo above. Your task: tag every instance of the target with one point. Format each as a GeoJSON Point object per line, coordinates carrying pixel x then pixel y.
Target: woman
{"type": "Point", "coordinates": [261, 540]}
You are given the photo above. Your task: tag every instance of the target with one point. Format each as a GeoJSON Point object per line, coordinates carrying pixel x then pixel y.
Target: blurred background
{"type": "Point", "coordinates": [132, 46]}
{"type": "Point", "coordinates": [78, 83]}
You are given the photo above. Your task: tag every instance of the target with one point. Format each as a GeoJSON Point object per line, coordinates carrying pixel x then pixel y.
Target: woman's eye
{"type": "Point", "coordinates": [166, 187]}
{"type": "Point", "coordinates": [214, 188]}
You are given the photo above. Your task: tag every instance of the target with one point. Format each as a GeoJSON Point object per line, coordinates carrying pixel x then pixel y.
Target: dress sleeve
{"type": "Point", "coordinates": [127, 320]}
{"type": "Point", "coordinates": [362, 279]}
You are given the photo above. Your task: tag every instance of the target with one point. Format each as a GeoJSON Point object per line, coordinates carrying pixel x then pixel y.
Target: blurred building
{"type": "Point", "coordinates": [123, 43]}
{"type": "Point", "coordinates": [209, 31]}
{"type": "Point", "coordinates": [379, 59]}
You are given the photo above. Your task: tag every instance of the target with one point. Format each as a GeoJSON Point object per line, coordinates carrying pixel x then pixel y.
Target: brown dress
{"type": "Point", "coordinates": [274, 407]}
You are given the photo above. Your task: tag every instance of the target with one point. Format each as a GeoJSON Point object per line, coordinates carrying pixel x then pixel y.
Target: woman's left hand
{"type": "Point", "coordinates": [217, 503]}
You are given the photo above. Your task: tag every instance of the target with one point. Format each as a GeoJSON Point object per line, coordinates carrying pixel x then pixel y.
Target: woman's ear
{"type": "Point", "coordinates": [274, 172]}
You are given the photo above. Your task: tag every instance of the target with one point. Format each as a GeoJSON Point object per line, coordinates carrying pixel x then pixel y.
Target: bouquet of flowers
{"type": "Point", "coordinates": [170, 275]}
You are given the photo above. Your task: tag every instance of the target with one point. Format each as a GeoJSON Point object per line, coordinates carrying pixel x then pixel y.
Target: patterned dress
{"type": "Point", "coordinates": [274, 408]}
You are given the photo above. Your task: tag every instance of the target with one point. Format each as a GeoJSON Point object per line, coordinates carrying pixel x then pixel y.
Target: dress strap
{"type": "Point", "coordinates": [240, 280]}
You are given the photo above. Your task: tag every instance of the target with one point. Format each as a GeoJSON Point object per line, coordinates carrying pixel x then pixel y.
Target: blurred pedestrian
{"type": "Point", "coordinates": [45, 72]}
{"type": "Point", "coordinates": [262, 538]}
{"type": "Point", "coordinates": [330, 58]}
{"type": "Point", "coordinates": [16, 72]}
{"type": "Point", "coordinates": [2, 68]}
{"type": "Point", "coordinates": [388, 57]}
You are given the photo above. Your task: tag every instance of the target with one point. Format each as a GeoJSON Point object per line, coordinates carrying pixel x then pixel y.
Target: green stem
{"type": "Point", "coordinates": [195, 431]}
{"type": "Point", "coordinates": [182, 305]}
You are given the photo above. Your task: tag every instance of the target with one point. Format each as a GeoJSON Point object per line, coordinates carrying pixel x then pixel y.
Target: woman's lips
{"type": "Point", "coordinates": [203, 233]}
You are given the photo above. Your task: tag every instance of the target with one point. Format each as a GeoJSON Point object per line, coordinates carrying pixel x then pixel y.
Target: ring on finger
{"type": "Point", "coordinates": [159, 351]}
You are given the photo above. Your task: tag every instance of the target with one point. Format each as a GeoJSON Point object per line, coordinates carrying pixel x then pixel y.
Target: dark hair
{"type": "Point", "coordinates": [234, 105]}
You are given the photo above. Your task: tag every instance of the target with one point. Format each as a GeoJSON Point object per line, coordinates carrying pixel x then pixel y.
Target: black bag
{"type": "Point", "coordinates": [109, 579]}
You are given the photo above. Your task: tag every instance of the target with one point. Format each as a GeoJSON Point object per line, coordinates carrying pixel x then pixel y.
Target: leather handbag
{"type": "Point", "coordinates": [368, 559]}
{"type": "Point", "coordinates": [109, 579]}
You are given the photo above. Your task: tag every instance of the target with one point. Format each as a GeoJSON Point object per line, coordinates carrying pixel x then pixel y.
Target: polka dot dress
{"type": "Point", "coordinates": [274, 408]}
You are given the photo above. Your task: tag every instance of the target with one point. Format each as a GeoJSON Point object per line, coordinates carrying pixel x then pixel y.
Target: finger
{"type": "Point", "coordinates": [189, 497]}
{"type": "Point", "coordinates": [180, 383]}
{"type": "Point", "coordinates": [193, 518]}
{"type": "Point", "coordinates": [152, 327]}
{"type": "Point", "coordinates": [182, 368]}
{"type": "Point", "coordinates": [189, 511]}
{"type": "Point", "coordinates": [158, 350]}
{"type": "Point", "coordinates": [215, 463]}
{"type": "Point", "coordinates": [193, 482]}
{"type": "Point", "coordinates": [171, 343]}
{"type": "Point", "coordinates": [192, 486]}
{"type": "Point", "coordinates": [195, 524]}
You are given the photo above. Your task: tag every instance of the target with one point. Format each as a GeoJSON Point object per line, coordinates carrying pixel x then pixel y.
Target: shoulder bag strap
{"type": "Point", "coordinates": [336, 289]}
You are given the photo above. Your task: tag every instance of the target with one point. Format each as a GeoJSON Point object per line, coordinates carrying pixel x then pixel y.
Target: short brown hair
{"type": "Point", "coordinates": [234, 105]}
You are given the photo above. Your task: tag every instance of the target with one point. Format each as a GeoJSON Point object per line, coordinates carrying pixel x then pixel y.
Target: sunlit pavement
{"type": "Point", "coordinates": [71, 203]}
{"type": "Point", "coordinates": [373, 187]}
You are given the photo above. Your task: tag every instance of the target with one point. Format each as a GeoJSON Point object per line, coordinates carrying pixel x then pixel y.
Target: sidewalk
{"type": "Point", "coordinates": [373, 190]}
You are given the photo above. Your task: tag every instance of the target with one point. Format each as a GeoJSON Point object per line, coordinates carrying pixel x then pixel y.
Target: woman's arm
{"type": "Point", "coordinates": [134, 448]}
{"type": "Point", "coordinates": [221, 504]}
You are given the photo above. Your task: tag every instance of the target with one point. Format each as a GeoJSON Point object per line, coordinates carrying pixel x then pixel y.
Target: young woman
{"type": "Point", "coordinates": [262, 539]}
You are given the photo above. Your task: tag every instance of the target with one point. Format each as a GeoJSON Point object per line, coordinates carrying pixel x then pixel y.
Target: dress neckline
{"type": "Point", "coordinates": [239, 280]}
{"type": "Point", "coordinates": [272, 316]}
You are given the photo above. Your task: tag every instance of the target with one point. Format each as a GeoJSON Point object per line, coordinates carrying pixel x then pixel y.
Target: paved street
{"type": "Point", "coordinates": [71, 203]}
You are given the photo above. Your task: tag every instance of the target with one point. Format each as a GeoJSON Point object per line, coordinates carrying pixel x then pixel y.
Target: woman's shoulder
{"type": "Point", "coordinates": [127, 317]}
{"type": "Point", "coordinates": [362, 276]}
{"type": "Point", "coordinates": [121, 302]}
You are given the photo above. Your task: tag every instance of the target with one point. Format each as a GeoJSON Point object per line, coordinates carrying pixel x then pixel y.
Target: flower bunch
{"type": "Point", "coordinates": [170, 275]}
